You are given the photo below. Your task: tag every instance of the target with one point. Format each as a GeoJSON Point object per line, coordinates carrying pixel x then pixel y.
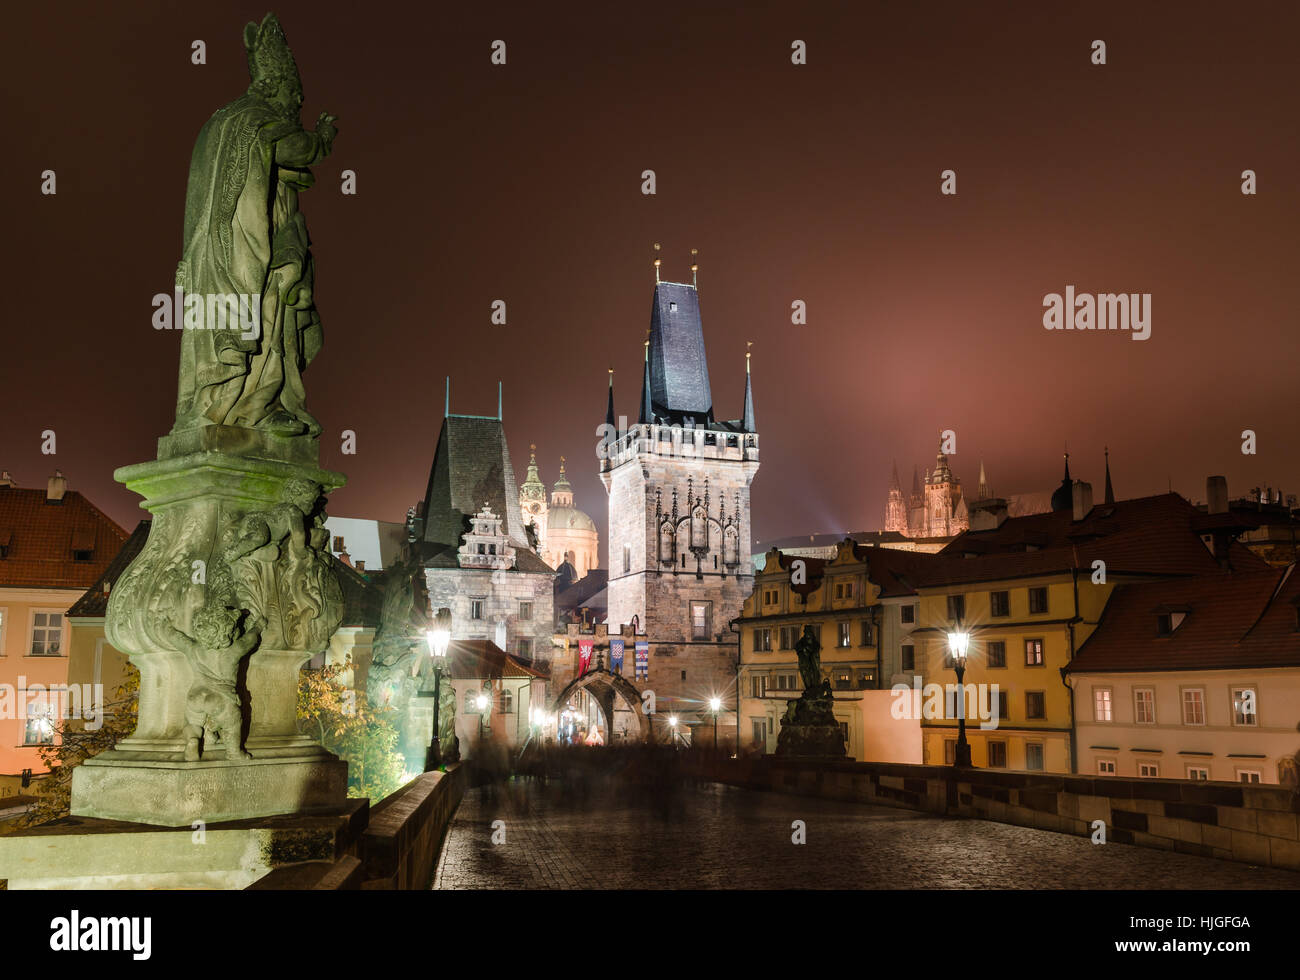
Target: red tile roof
{"type": "Point", "coordinates": [94, 601]}
{"type": "Point", "coordinates": [38, 539]}
{"type": "Point", "coordinates": [1145, 536]}
{"type": "Point", "coordinates": [474, 659]}
{"type": "Point", "coordinates": [1233, 620]}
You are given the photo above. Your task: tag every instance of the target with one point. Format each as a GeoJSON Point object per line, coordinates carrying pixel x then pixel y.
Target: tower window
{"type": "Point", "coordinates": [627, 559]}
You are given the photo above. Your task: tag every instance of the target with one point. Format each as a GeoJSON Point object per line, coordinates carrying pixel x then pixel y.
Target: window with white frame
{"type": "Point", "coordinates": [1144, 705]}
{"type": "Point", "coordinates": [1101, 705]}
{"type": "Point", "coordinates": [47, 634]}
{"type": "Point", "coordinates": [1193, 706]}
{"type": "Point", "coordinates": [476, 609]}
{"type": "Point", "coordinates": [1034, 756]}
{"type": "Point", "coordinates": [844, 639]}
{"type": "Point", "coordinates": [1244, 707]}
{"type": "Point", "coordinates": [1149, 770]}
{"type": "Point", "coordinates": [1247, 775]}
{"type": "Point", "coordinates": [1105, 767]}
{"type": "Point", "coordinates": [525, 610]}
{"type": "Point", "coordinates": [1198, 772]}
{"type": "Point", "coordinates": [758, 686]}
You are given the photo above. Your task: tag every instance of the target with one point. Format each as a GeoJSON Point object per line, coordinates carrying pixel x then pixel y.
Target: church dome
{"type": "Point", "coordinates": [569, 519]}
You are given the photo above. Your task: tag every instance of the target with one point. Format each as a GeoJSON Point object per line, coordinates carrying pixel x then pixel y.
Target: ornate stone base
{"type": "Point", "coordinates": [810, 729]}
{"type": "Point", "coordinates": [82, 852]}
{"type": "Point", "coordinates": [177, 794]}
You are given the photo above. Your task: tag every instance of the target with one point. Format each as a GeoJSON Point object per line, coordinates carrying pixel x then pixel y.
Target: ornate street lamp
{"type": "Point", "coordinates": [715, 705]}
{"type": "Point", "coordinates": [958, 644]}
{"type": "Point", "coordinates": [438, 638]}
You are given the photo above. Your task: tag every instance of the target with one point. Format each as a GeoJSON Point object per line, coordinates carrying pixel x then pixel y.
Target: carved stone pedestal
{"type": "Point", "coordinates": [810, 729]}
{"type": "Point", "coordinates": [239, 535]}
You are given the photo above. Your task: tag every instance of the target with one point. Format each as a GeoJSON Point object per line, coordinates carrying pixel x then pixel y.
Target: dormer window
{"type": "Point", "coordinates": [672, 307]}
{"type": "Point", "coordinates": [1168, 622]}
{"type": "Point", "coordinates": [82, 555]}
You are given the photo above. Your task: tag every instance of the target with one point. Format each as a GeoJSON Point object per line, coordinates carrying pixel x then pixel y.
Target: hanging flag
{"type": "Point", "coordinates": [584, 655]}
{"type": "Point", "coordinates": [642, 659]}
{"type": "Point", "coordinates": [616, 655]}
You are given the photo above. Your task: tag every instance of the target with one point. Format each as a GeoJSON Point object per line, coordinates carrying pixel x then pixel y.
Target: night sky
{"type": "Point", "coordinates": [818, 182]}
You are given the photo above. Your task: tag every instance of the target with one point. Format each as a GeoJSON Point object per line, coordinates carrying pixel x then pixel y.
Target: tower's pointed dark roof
{"type": "Point", "coordinates": [609, 409]}
{"type": "Point", "coordinates": [471, 467]}
{"type": "Point", "coordinates": [748, 421]}
{"type": "Point", "coordinates": [1110, 491]}
{"type": "Point", "coordinates": [1063, 496]}
{"type": "Point", "coordinates": [916, 481]}
{"type": "Point", "coordinates": [679, 374]}
{"type": "Point", "coordinates": [893, 478]}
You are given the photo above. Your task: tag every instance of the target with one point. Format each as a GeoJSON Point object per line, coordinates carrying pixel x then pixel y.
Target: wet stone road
{"type": "Point", "coordinates": [592, 834]}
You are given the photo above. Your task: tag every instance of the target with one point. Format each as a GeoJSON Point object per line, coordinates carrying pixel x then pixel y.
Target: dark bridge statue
{"type": "Point", "coordinates": [809, 727]}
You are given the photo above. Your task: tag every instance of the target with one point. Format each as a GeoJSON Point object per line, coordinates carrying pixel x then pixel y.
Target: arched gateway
{"type": "Point", "coordinates": [603, 686]}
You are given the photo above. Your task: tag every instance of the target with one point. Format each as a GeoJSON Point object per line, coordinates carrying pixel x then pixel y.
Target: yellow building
{"type": "Point", "coordinates": [1030, 591]}
{"type": "Point", "coordinates": [856, 602]}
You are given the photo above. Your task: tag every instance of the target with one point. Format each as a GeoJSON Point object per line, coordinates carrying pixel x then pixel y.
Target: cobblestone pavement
{"type": "Point", "coordinates": [598, 835]}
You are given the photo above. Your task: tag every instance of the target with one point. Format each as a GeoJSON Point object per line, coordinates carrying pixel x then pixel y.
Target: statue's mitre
{"type": "Point", "coordinates": [268, 50]}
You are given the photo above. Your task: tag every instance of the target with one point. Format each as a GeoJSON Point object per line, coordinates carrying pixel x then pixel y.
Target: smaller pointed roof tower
{"type": "Point", "coordinates": [647, 410]}
{"type": "Point", "coordinates": [748, 422]}
{"type": "Point", "coordinates": [1063, 496]}
{"type": "Point", "coordinates": [893, 478]}
{"type": "Point", "coordinates": [532, 488]}
{"type": "Point", "coordinates": [562, 491]}
{"type": "Point", "coordinates": [1110, 491]}
{"type": "Point", "coordinates": [941, 472]}
{"type": "Point", "coordinates": [983, 492]}
{"type": "Point", "coordinates": [609, 410]}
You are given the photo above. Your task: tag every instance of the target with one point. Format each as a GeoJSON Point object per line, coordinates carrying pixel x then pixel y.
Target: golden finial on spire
{"type": "Point", "coordinates": [656, 263]}
{"type": "Point", "coordinates": [695, 268]}
{"type": "Point", "coordinates": [748, 344]}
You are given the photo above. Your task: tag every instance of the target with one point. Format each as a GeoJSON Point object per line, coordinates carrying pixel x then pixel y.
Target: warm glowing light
{"type": "Point", "coordinates": [715, 704]}
{"type": "Point", "coordinates": [672, 721]}
{"type": "Point", "coordinates": [958, 643]}
{"type": "Point", "coordinates": [482, 702]}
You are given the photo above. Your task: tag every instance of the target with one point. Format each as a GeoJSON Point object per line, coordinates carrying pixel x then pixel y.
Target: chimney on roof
{"type": "Point", "coordinates": [1216, 495]}
{"type": "Point", "coordinates": [988, 514]}
{"type": "Point", "coordinates": [6, 480]}
{"type": "Point", "coordinates": [56, 488]}
{"type": "Point", "coordinates": [361, 565]}
{"type": "Point", "coordinates": [1081, 497]}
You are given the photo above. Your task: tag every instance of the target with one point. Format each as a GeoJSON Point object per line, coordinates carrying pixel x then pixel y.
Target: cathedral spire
{"type": "Point", "coordinates": [609, 411]}
{"type": "Point", "coordinates": [893, 478]}
{"type": "Point", "coordinates": [1110, 491]}
{"type": "Point", "coordinates": [983, 492]}
{"type": "Point", "coordinates": [748, 424]}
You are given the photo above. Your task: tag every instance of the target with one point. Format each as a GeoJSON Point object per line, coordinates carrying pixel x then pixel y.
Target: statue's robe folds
{"type": "Point", "coordinates": [245, 237]}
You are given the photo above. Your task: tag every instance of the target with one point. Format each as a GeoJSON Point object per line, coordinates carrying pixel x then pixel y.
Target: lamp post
{"type": "Point", "coordinates": [958, 644]}
{"type": "Point", "coordinates": [672, 724]}
{"type": "Point", "coordinates": [715, 705]}
{"type": "Point", "coordinates": [437, 638]}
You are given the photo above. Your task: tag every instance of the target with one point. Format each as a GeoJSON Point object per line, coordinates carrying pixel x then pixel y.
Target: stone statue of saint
{"type": "Point", "coordinates": [245, 238]}
{"type": "Point", "coordinates": [213, 707]}
{"type": "Point", "coordinates": [809, 648]}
